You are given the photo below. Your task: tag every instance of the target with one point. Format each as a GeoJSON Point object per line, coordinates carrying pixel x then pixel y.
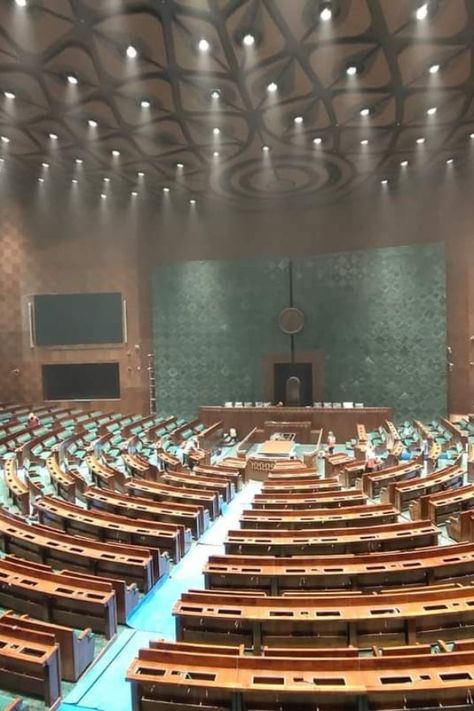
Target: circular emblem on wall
{"type": "Point", "coordinates": [291, 320]}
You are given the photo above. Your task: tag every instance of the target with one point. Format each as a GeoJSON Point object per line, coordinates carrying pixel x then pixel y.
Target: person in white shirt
{"type": "Point", "coordinates": [370, 458]}
{"type": "Point", "coordinates": [331, 442]}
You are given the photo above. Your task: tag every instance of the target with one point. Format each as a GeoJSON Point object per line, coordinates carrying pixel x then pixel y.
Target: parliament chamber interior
{"type": "Point", "coordinates": [236, 355]}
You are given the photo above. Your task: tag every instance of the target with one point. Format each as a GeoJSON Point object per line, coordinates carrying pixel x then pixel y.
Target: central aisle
{"type": "Point", "coordinates": [103, 687]}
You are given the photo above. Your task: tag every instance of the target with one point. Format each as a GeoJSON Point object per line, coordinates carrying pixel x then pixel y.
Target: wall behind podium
{"type": "Point", "coordinates": [378, 315]}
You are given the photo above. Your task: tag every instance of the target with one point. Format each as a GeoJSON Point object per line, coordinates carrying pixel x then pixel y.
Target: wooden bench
{"type": "Point", "coordinates": [320, 499]}
{"type": "Point", "coordinates": [320, 518]}
{"type": "Point", "coordinates": [425, 566]}
{"type": "Point", "coordinates": [461, 527]}
{"type": "Point", "coordinates": [164, 492]}
{"type": "Point", "coordinates": [301, 485]}
{"type": "Point", "coordinates": [335, 463]}
{"type": "Point", "coordinates": [63, 481]}
{"type": "Point", "coordinates": [374, 482]}
{"type": "Point", "coordinates": [17, 488]}
{"type": "Point", "coordinates": [392, 536]}
{"type": "Point", "coordinates": [401, 493]}
{"type": "Point", "coordinates": [440, 506]}
{"type": "Point", "coordinates": [169, 538]}
{"type": "Point", "coordinates": [105, 475]}
{"type": "Point", "coordinates": [233, 476]}
{"type": "Point", "coordinates": [191, 517]}
{"type": "Point", "coordinates": [221, 487]}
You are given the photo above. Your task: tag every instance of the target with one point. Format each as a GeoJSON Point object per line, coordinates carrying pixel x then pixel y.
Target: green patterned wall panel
{"type": "Point", "coordinates": [378, 315]}
{"type": "Point", "coordinates": [213, 323]}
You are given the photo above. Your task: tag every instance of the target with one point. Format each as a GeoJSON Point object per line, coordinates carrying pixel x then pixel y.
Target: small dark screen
{"type": "Point", "coordinates": [81, 381]}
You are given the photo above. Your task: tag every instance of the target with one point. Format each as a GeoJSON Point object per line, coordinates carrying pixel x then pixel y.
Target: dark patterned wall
{"type": "Point", "coordinates": [378, 315]}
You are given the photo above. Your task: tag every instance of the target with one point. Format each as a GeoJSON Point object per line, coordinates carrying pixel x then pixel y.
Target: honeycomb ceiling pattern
{"type": "Point", "coordinates": [219, 142]}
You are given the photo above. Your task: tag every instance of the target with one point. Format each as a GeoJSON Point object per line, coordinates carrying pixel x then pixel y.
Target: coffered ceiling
{"type": "Point", "coordinates": [64, 66]}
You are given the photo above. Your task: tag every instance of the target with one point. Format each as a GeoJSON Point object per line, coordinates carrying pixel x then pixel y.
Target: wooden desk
{"type": "Point", "coordinates": [341, 421]}
{"type": "Point", "coordinates": [276, 448]}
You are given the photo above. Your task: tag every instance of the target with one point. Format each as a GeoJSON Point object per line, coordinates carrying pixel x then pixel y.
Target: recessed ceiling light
{"type": "Point", "coordinates": [180, 165]}
{"type": "Point", "coordinates": [72, 79]}
{"type": "Point", "coordinates": [434, 69]}
{"type": "Point", "coordinates": [53, 136]}
{"type": "Point", "coordinates": [92, 123]}
{"type": "Point", "coordinates": [40, 180]}
{"type": "Point", "coordinates": [365, 112]}
{"type": "Point", "coordinates": [45, 165]}
{"type": "Point", "coordinates": [166, 190]}
{"type": "Point", "coordinates": [216, 154]}
{"type": "Point", "coordinates": [326, 12]}
{"type": "Point", "coordinates": [384, 181]}
{"type": "Point", "coordinates": [141, 174]}
{"type": "Point", "coordinates": [79, 161]}
{"type": "Point", "coordinates": [450, 161]}
{"type": "Point", "coordinates": [8, 94]}
{"type": "Point", "coordinates": [20, 3]}
{"type": "Point", "coordinates": [272, 87]}
{"type": "Point", "coordinates": [74, 181]}
{"type": "Point", "coordinates": [351, 70]}
{"type": "Point", "coordinates": [134, 193]}
{"type": "Point", "coordinates": [265, 148]}
{"type": "Point", "coordinates": [216, 131]}
{"type": "Point", "coordinates": [203, 45]}
{"type": "Point", "coordinates": [4, 139]}
{"type": "Point", "coordinates": [145, 104]}
{"type": "Point", "coordinates": [131, 52]}
{"type": "Point", "coordinates": [115, 153]}
{"type": "Point", "coordinates": [422, 12]}
{"type": "Point", "coordinates": [298, 119]}
{"type": "Point", "coordinates": [248, 40]}
{"type": "Point", "coordinates": [317, 141]}
{"type": "Point", "coordinates": [420, 140]}
{"type": "Point", "coordinates": [364, 141]}
{"type": "Point", "coordinates": [106, 180]}
{"type": "Point", "coordinates": [404, 163]}
{"type": "Point", "coordinates": [432, 111]}
{"type": "Point", "coordinates": [103, 196]}
{"type": "Point", "coordinates": [215, 94]}
{"type": "Point", "coordinates": [471, 135]}
{"type": "Point", "coordinates": [192, 201]}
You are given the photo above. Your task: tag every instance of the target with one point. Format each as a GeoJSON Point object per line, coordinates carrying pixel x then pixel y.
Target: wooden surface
{"type": "Point", "coordinates": [341, 421]}
{"type": "Point", "coordinates": [276, 448]}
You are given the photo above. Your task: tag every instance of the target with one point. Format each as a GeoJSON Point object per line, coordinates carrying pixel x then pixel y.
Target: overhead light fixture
{"type": "Point", "coordinates": [180, 165]}
{"type": "Point", "coordinates": [434, 69]}
{"type": "Point", "coordinates": [431, 111]}
{"type": "Point", "coordinates": [166, 190]}
{"type": "Point", "coordinates": [92, 123]}
{"type": "Point", "coordinates": [248, 40]}
{"type": "Point", "coordinates": [4, 139]}
{"type": "Point", "coordinates": [145, 104]}
{"type": "Point", "coordinates": [404, 163]}
{"type": "Point", "coordinates": [20, 3]}
{"type": "Point", "coordinates": [317, 141]}
{"type": "Point", "coordinates": [8, 94]}
{"type": "Point", "coordinates": [216, 131]}
{"type": "Point", "coordinates": [40, 180]}
{"type": "Point", "coordinates": [364, 141]}
{"type": "Point", "coordinates": [103, 196]}
{"type": "Point", "coordinates": [131, 52]}
{"type": "Point", "coordinates": [141, 174]}
{"type": "Point", "coordinates": [450, 161]}
{"type": "Point", "coordinates": [203, 45]}
{"type": "Point", "coordinates": [265, 148]}
{"type": "Point", "coordinates": [79, 161]}
{"type": "Point", "coordinates": [72, 79]}
{"type": "Point", "coordinates": [106, 180]}
{"type": "Point", "coordinates": [74, 181]}
{"type": "Point", "coordinates": [192, 201]}
{"type": "Point", "coordinates": [384, 181]}
{"type": "Point", "coordinates": [298, 120]}
{"type": "Point", "coordinates": [420, 140]}
{"type": "Point", "coordinates": [422, 12]}
{"type": "Point", "coordinates": [134, 193]}
{"type": "Point", "coordinates": [326, 12]}
{"type": "Point", "coordinates": [471, 135]}
{"type": "Point", "coordinates": [364, 112]}
{"type": "Point", "coordinates": [351, 70]}
{"type": "Point", "coordinates": [272, 87]}
{"type": "Point", "coordinates": [115, 153]}
{"type": "Point", "coordinates": [215, 94]}
{"type": "Point", "coordinates": [216, 154]}
{"type": "Point", "coordinates": [45, 165]}
{"type": "Point", "coordinates": [53, 136]}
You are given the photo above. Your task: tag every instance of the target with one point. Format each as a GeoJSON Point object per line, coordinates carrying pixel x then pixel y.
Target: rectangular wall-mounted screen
{"type": "Point", "coordinates": [78, 319]}
{"type": "Point", "coordinates": [81, 381]}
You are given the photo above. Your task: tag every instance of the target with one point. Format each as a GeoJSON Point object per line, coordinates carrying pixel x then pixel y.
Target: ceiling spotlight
{"type": "Point", "coordinates": [351, 70]}
{"type": "Point", "coordinates": [364, 112]}
{"type": "Point", "coordinates": [384, 181]}
{"type": "Point", "coordinates": [192, 201]}
{"type": "Point", "coordinates": [298, 120]}
{"type": "Point", "coordinates": [180, 165]}
{"type": "Point", "coordinates": [422, 12]}
{"type": "Point", "coordinates": [131, 52]}
{"type": "Point", "coordinates": [106, 180]}
{"type": "Point", "coordinates": [134, 193]}
{"type": "Point", "coordinates": [72, 79]}
{"type": "Point", "coordinates": [248, 40]}
{"type": "Point", "coordinates": [141, 174]}
{"type": "Point", "coordinates": [216, 131]}
{"type": "Point", "coordinates": [115, 153]}
{"type": "Point", "coordinates": [45, 165]}
{"type": "Point", "coordinates": [364, 142]}
{"type": "Point", "coordinates": [265, 148]}
{"type": "Point", "coordinates": [8, 94]}
{"type": "Point", "coordinates": [434, 69]}
{"type": "Point", "coordinates": [203, 45]}
{"type": "Point", "coordinates": [92, 123]}
{"type": "Point", "coordinates": [215, 94]}
{"type": "Point", "coordinates": [4, 139]}
{"type": "Point", "coordinates": [317, 141]}
{"type": "Point", "coordinates": [103, 196]}
{"type": "Point", "coordinates": [420, 140]}
{"type": "Point", "coordinates": [404, 163]}
{"type": "Point", "coordinates": [166, 190]}
{"type": "Point", "coordinates": [471, 135]}
{"type": "Point", "coordinates": [20, 3]}
{"type": "Point", "coordinates": [40, 180]}
{"type": "Point", "coordinates": [79, 161]}
{"type": "Point", "coordinates": [53, 136]}
{"type": "Point", "coordinates": [326, 12]}
{"type": "Point", "coordinates": [145, 104]}
{"type": "Point", "coordinates": [74, 181]}
{"type": "Point", "coordinates": [216, 154]}
{"type": "Point", "coordinates": [450, 161]}
{"type": "Point", "coordinates": [272, 87]}
{"type": "Point", "coordinates": [432, 111]}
